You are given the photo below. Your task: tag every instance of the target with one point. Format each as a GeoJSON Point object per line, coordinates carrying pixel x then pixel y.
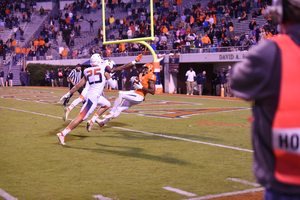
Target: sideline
{"type": "Point", "coordinates": [227, 194]}
{"type": "Point", "coordinates": [163, 94]}
{"type": "Point", "coordinates": [6, 196]}
{"type": "Point", "coordinates": [144, 132]}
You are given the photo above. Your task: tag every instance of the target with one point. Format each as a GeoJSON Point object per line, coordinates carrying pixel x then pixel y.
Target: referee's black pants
{"type": "Point", "coordinates": [68, 99]}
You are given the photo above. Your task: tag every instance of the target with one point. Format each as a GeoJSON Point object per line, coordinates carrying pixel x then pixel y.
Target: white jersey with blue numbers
{"type": "Point", "coordinates": [96, 78]}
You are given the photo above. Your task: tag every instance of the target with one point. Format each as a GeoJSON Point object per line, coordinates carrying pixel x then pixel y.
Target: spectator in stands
{"type": "Point", "coordinates": [41, 50]}
{"type": "Point", "coordinates": [268, 35]}
{"type": "Point", "coordinates": [74, 53]}
{"type": "Point", "coordinates": [206, 41]}
{"type": "Point", "coordinates": [42, 10]}
{"type": "Point", "coordinates": [225, 43]}
{"type": "Point", "coordinates": [23, 52]}
{"type": "Point", "coordinates": [243, 16]}
{"type": "Point", "coordinates": [235, 42]}
{"type": "Point", "coordinates": [64, 53]}
{"type": "Point", "coordinates": [231, 34]}
{"type": "Point", "coordinates": [59, 38]}
{"type": "Point", "coordinates": [1, 25]}
{"type": "Point", "coordinates": [91, 24]}
{"type": "Point", "coordinates": [4, 50]}
{"type": "Point", "coordinates": [252, 24]}
{"type": "Point", "coordinates": [111, 22]}
{"type": "Point", "coordinates": [17, 51]}
{"type": "Point", "coordinates": [13, 43]}
{"type": "Point", "coordinates": [49, 54]}
{"type": "Point", "coordinates": [85, 52]}
{"type": "Point", "coordinates": [179, 3]}
{"type": "Point", "coordinates": [92, 50]}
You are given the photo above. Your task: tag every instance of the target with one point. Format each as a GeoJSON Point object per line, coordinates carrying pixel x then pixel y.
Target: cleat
{"type": "Point", "coordinates": [65, 114]}
{"type": "Point", "coordinates": [109, 115]}
{"type": "Point", "coordinates": [100, 122]}
{"type": "Point", "coordinates": [61, 138]}
{"type": "Point", "coordinates": [89, 126]}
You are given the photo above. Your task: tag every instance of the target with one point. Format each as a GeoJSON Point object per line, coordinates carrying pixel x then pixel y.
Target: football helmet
{"type": "Point", "coordinates": [96, 60]}
{"type": "Point", "coordinates": [110, 63]}
{"type": "Point", "coordinates": [147, 68]}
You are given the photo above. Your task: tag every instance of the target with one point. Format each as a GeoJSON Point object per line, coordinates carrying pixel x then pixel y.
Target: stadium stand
{"type": "Point", "coordinates": [77, 27]}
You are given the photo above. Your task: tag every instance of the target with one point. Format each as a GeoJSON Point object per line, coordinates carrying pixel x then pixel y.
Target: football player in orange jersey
{"type": "Point", "coordinates": [129, 98]}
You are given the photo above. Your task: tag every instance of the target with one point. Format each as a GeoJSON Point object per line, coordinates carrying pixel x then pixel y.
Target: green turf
{"type": "Point", "coordinates": [120, 164]}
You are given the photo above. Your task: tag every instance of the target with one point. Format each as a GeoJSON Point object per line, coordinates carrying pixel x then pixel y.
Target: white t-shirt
{"type": "Point", "coordinates": [190, 74]}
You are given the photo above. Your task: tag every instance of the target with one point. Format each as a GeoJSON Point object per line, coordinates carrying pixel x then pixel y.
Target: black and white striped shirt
{"type": "Point", "coordinates": [75, 76]}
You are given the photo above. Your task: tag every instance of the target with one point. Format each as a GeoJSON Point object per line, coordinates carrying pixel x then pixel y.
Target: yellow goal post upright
{"type": "Point", "coordinates": [155, 64]}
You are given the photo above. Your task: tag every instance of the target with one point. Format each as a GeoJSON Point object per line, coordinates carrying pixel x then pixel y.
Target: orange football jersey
{"type": "Point", "coordinates": [145, 83]}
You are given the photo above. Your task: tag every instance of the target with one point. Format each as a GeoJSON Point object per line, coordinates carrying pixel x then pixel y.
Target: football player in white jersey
{"type": "Point", "coordinates": [96, 76]}
{"type": "Point", "coordinates": [81, 98]}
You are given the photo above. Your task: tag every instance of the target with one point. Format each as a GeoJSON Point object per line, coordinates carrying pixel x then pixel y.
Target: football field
{"type": "Point", "coordinates": [169, 147]}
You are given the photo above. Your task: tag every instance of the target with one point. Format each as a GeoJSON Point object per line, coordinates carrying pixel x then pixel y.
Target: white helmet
{"type": "Point", "coordinates": [110, 63]}
{"type": "Point", "coordinates": [96, 60]}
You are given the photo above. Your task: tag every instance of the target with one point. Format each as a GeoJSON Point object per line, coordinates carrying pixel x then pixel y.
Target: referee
{"type": "Point", "coordinates": [73, 78]}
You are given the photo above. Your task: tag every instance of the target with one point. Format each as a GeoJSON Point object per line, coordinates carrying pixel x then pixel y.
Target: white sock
{"type": "Point", "coordinates": [75, 103]}
{"type": "Point", "coordinates": [117, 103]}
{"type": "Point", "coordinates": [92, 121]}
{"type": "Point", "coordinates": [66, 131]}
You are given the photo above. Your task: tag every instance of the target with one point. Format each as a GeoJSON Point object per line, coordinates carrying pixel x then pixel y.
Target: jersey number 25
{"type": "Point", "coordinates": [94, 76]}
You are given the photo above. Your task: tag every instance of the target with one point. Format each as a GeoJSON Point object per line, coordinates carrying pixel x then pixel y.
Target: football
{"type": "Point", "coordinates": [135, 81]}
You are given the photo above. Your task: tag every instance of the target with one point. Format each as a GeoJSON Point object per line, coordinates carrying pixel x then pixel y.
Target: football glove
{"type": "Point", "coordinates": [65, 96]}
{"type": "Point", "coordinates": [132, 78]}
{"type": "Point", "coordinates": [138, 86]}
{"type": "Point", "coordinates": [139, 57]}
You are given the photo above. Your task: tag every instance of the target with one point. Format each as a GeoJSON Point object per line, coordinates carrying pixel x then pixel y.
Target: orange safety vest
{"type": "Point", "coordinates": [23, 50]}
{"type": "Point", "coordinates": [286, 124]}
{"type": "Point", "coordinates": [60, 74]}
{"type": "Point", "coordinates": [18, 50]}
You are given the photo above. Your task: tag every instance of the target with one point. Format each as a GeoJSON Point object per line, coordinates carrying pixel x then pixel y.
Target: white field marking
{"type": "Point", "coordinates": [144, 132]}
{"type": "Point", "coordinates": [244, 181]}
{"type": "Point", "coordinates": [6, 196]}
{"type": "Point", "coordinates": [183, 139]}
{"type": "Point", "coordinates": [180, 191]}
{"type": "Point", "coordinates": [227, 194]}
{"type": "Point", "coordinates": [100, 197]}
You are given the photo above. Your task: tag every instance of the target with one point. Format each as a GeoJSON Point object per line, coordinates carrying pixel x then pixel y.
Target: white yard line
{"type": "Point", "coordinates": [6, 196]}
{"type": "Point", "coordinates": [244, 181]}
{"type": "Point", "coordinates": [180, 191]}
{"type": "Point", "coordinates": [144, 132]}
{"type": "Point", "coordinates": [227, 194]}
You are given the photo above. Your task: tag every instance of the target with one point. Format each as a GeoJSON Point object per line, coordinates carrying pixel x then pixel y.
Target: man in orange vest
{"type": "Point", "coordinates": [269, 75]}
{"type": "Point", "coordinates": [17, 51]}
{"type": "Point", "coordinates": [23, 52]}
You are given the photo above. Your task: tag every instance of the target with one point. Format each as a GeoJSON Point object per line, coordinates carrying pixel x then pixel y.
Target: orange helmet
{"type": "Point", "coordinates": [149, 66]}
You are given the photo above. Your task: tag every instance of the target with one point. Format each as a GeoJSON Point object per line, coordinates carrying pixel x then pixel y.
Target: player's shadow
{"type": "Point", "coordinates": [133, 152]}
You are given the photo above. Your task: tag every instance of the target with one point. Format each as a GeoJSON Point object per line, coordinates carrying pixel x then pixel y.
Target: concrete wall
{"type": "Point", "coordinates": [46, 5]}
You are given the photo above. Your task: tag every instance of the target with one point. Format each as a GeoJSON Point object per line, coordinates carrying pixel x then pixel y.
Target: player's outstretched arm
{"type": "Point", "coordinates": [127, 65]}
{"type": "Point", "coordinates": [75, 88]}
{"type": "Point", "coordinates": [78, 85]}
